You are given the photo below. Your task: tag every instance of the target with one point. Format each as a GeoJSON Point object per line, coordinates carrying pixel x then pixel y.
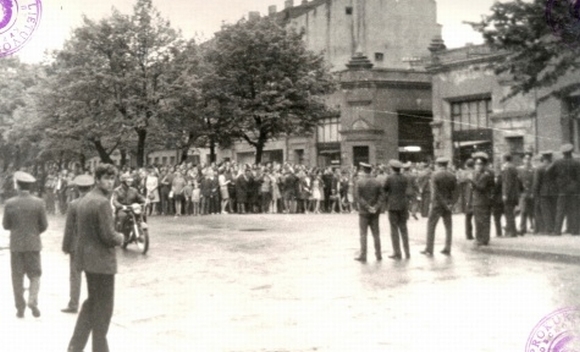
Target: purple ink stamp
{"type": "Point", "coordinates": [557, 332]}
{"type": "Point", "coordinates": [563, 16]}
{"type": "Point", "coordinates": [18, 20]}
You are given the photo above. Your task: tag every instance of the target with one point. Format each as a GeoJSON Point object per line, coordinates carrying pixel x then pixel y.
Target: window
{"type": "Point", "coordinates": [379, 56]}
{"type": "Point", "coordinates": [164, 160]}
{"type": "Point", "coordinates": [327, 131]}
{"type": "Point", "coordinates": [471, 114]}
{"type": "Point", "coordinates": [348, 10]}
{"type": "Point", "coordinates": [172, 160]}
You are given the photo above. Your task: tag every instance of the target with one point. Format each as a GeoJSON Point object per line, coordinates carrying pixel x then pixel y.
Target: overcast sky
{"type": "Point", "coordinates": [205, 18]}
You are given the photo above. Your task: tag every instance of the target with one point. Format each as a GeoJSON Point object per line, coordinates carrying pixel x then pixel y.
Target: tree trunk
{"type": "Point", "coordinates": [123, 157]}
{"type": "Point", "coordinates": [212, 156]}
{"type": "Point", "coordinates": [259, 151]}
{"type": "Point", "coordinates": [183, 156]}
{"type": "Point", "coordinates": [142, 136]}
{"type": "Point", "coordinates": [105, 157]}
{"type": "Point", "coordinates": [83, 162]}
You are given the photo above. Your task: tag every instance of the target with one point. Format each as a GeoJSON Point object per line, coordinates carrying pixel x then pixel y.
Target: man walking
{"type": "Point", "coordinates": [70, 240]}
{"type": "Point", "coordinates": [443, 186]}
{"type": "Point", "coordinates": [25, 218]}
{"type": "Point", "coordinates": [96, 256]}
{"type": "Point", "coordinates": [510, 194]}
{"type": "Point", "coordinates": [369, 197]}
{"type": "Point", "coordinates": [397, 205]}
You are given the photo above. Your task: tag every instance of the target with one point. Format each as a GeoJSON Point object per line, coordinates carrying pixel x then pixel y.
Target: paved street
{"type": "Point", "coordinates": [289, 283]}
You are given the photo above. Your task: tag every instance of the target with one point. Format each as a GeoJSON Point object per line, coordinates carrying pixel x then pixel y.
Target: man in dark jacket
{"type": "Point", "coordinates": [397, 202]}
{"type": "Point", "coordinates": [96, 256]}
{"type": "Point", "coordinates": [546, 194]}
{"type": "Point", "coordinates": [84, 184]}
{"type": "Point", "coordinates": [482, 198]}
{"type": "Point", "coordinates": [467, 189]}
{"type": "Point", "coordinates": [370, 198]}
{"type": "Point", "coordinates": [443, 193]}
{"type": "Point", "coordinates": [510, 194]}
{"type": "Point", "coordinates": [526, 179]}
{"type": "Point", "coordinates": [565, 174]}
{"type": "Point", "coordinates": [25, 218]}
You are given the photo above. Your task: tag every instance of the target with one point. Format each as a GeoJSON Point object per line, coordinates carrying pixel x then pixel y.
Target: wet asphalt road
{"type": "Point", "coordinates": [289, 283]}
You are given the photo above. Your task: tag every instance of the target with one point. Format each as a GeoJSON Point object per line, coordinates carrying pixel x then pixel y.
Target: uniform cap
{"type": "Point", "coordinates": [21, 176]}
{"type": "Point", "coordinates": [442, 160]}
{"type": "Point", "coordinates": [396, 164]}
{"type": "Point", "coordinates": [125, 177]}
{"type": "Point", "coordinates": [566, 148]}
{"type": "Point", "coordinates": [481, 155]}
{"type": "Point", "coordinates": [407, 165]}
{"type": "Point", "coordinates": [365, 165]}
{"type": "Point", "coordinates": [84, 180]}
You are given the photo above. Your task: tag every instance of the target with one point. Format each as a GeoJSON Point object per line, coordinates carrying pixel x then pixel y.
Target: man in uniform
{"type": "Point", "coordinates": [565, 173]}
{"type": "Point", "coordinates": [25, 218]}
{"type": "Point", "coordinates": [510, 194]}
{"type": "Point", "coordinates": [483, 187]}
{"type": "Point", "coordinates": [96, 256]}
{"type": "Point", "coordinates": [70, 240]}
{"type": "Point", "coordinates": [412, 189]}
{"type": "Point", "coordinates": [397, 203]}
{"type": "Point", "coordinates": [443, 187]}
{"type": "Point", "coordinates": [369, 196]}
{"type": "Point", "coordinates": [526, 178]}
{"type": "Point", "coordinates": [546, 195]}
{"type": "Point", "coordinates": [467, 189]}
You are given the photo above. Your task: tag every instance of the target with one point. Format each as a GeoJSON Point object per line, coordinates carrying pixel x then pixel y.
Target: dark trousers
{"type": "Point", "coordinates": [548, 205]}
{"type": "Point", "coordinates": [526, 213]}
{"type": "Point", "coordinates": [74, 284]}
{"type": "Point", "coordinates": [469, 224]}
{"type": "Point", "coordinates": [96, 313]}
{"type": "Point", "coordinates": [538, 217]}
{"type": "Point", "coordinates": [365, 221]}
{"type": "Point", "coordinates": [25, 263]}
{"type": "Point", "coordinates": [497, 211]}
{"type": "Point", "coordinates": [266, 200]}
{"type": "Point", "coordinates": [567, 207]}
{"type": "Point", "coordinates": [509, 209]}
{"type": "Point", "coordinates": [398, 221]}
{"type": "Point", "coordinates": [482, 215]}
{"type": "Point", "coordinates": [434, 214]}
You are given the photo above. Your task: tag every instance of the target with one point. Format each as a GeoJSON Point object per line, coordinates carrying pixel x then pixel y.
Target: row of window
{"type": "Point", "coordinates": [471, 114]}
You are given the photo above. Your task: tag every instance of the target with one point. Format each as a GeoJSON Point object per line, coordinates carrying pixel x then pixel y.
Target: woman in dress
{"type": "Point", "coordinates": [152, 191]}
{"type": "Point", "coordinates": [316, 191]}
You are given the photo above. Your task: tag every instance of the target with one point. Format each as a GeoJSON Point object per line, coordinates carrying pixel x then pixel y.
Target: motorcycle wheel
{"type": "Point", "coordinates": [143, 241]}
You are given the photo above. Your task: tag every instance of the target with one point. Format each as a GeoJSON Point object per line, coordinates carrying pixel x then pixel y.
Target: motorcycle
{"type": "Point", "coordinates": [135, 228]}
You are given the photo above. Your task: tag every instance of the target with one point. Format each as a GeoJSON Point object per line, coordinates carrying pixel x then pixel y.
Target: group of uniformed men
{"type": "Point", "coordinates": [544, 195]}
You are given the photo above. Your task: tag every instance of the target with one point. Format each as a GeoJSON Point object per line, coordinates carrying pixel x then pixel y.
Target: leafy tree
{"type": "Point", "coordinates": [273, 85]}
{"type": "Point", "coordinates": [118, 66]}
{"type": "Point", "coordinates": [540, 40]}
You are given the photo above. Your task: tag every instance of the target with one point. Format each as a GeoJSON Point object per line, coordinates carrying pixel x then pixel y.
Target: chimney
{"type": "Point", "coordinates": [272, 10]}
{"type": "Point", "coordinates": [288, 4]}
{"type": "Point", "coordinates": [253, 15]}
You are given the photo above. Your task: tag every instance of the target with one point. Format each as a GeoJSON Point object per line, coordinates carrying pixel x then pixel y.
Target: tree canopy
{"type": "Point", "coordinates": [541, 41]}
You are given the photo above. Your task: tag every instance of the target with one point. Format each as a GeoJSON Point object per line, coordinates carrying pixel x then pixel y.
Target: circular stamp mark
{"type": "Point", "coordinates": [563, 16]}
{"type": "Point", "coordinates": [557, 332]}
{"type": "Point", "coordinates": [18, 21]}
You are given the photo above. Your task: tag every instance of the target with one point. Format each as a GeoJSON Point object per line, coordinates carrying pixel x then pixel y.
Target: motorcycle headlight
{"type": "Point", "coordinates": [136, 208]}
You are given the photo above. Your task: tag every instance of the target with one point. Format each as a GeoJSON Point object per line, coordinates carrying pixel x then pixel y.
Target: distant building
{"type": "Point", "coordinates": [378, 50]}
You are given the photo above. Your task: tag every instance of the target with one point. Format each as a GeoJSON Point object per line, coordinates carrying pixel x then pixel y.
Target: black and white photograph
{"type": "Point", "coordinates": [290, 175]}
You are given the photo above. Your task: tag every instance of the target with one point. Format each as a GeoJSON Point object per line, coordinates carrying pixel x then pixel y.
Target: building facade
{"type": "Point", "coordinates": [470, 109]}
{"type": "Point", "coordinates": [378, 54]}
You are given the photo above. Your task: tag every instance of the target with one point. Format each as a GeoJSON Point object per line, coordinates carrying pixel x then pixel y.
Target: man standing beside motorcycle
{"type": "Point", "coordinates": [123, 197]}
